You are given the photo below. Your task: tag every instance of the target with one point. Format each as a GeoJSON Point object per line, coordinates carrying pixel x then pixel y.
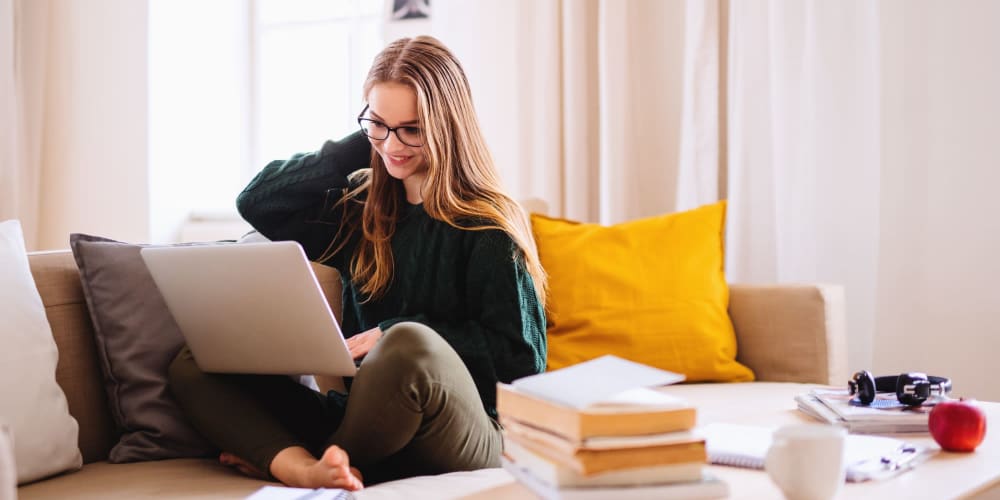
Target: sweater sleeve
{"type": "Point", "coordinates": [504, 336]}
{"type": "Point", "coordinates": [293, 199]}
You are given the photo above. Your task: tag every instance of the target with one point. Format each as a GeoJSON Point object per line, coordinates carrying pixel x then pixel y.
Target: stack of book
{"type": "Point", "coordinates": [834, 407]}
{"type": "Point", "coordinates": [637, 444]}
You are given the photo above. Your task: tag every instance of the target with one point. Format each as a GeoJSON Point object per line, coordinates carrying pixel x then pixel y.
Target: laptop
{"type": "Point", "coordinates": [250, 308]}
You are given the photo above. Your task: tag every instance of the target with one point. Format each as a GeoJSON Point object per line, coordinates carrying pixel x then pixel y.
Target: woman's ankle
{"type": "Point", "coordinates": [290, 466]}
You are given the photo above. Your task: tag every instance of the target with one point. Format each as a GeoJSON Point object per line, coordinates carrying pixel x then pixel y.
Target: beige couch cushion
{"type": "Point", "coordinates": [58, 282]}
{"type": "Point", "coordinates": [791, 333]}
{"type": "Point", "coordinates": [206, 479]}
{"type": "Point", "coordinates": [178, 478]}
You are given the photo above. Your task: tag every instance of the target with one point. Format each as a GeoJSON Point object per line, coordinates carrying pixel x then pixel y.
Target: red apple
{"type": "Point", "coordinates": [957, 425]}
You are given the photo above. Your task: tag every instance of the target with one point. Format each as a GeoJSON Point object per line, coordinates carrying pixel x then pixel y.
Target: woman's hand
{"type": "Point", "coordinates": [360, 344]}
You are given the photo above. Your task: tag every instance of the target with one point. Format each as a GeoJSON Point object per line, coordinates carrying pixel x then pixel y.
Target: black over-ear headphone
{"type": "Point", "coordinates": [911, 389]}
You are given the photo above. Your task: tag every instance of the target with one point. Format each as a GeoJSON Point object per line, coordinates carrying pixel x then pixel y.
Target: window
{"type": "Point", "coordinates": [309, 59]}
{"type": "Point", "coordinates": [234, 84]}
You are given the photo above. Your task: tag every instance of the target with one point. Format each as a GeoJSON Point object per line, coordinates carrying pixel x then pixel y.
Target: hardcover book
{"type": "Point", "coordinates": [593, 461]}
{"type": "Point", "coordinates": [557, 475]}
{"type": "Point", "coordinates": [633, 412]}
{"type": "Point", "coordinates": [556, 441]}
{"type": "Point", "coordinates": [706, 487]}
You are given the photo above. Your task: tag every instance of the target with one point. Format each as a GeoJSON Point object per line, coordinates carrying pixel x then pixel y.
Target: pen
{"type": "Point", "coordinates": [904, 458]}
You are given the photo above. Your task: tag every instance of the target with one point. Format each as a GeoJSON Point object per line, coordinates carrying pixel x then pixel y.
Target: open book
{"type": "Point", "coordinates": [866, 457]}
{"type": "Point", "coordinates": [650, 413]}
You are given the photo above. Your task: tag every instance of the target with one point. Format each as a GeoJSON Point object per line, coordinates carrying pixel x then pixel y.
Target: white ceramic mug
{"type": "Point", "coordinates": [806, 461]}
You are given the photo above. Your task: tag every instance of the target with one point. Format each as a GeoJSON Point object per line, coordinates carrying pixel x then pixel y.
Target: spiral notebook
{"type": "Point", "coordinates": [287, 493]}
{"type": "Point", "coordinates": [867, 457]}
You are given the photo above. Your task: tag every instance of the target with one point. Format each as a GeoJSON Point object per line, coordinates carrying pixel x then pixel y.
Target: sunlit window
{"type": "Point", "coordinates": [234, 84]}
{"type": "Point", "coordinates": [309, 60]}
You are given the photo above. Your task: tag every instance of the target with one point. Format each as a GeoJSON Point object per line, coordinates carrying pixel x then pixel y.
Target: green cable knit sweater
{"type": "Point", "coordinates": [471, 287]}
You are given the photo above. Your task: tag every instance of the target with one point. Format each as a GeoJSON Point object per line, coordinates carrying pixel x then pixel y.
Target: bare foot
{"type": "Point", "coordinates": [226, 458]}
{"type": "Point", "coordinates": [295, 466]}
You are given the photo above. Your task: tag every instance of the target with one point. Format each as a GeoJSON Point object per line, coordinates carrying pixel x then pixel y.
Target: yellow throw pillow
{"type": "Point", "coordinates": [651, 290]}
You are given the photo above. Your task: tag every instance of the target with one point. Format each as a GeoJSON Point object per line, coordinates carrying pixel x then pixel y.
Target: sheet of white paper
{"type": "Point", "coordinates": [594, 381]}
{"type": "Point", "coordinates": [643, 396]}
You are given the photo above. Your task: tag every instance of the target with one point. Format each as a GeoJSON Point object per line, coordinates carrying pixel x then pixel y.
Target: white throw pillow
{"type": "Point", "coordinates": [31, 402]}
{"type": "Point", "coordinates": [8, 475]}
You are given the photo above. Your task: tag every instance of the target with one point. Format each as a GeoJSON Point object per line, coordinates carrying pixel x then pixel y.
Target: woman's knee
{"type": "Point", "coordinates": [410, 342]}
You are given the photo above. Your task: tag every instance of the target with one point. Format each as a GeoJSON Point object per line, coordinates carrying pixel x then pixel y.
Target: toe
{"type": "Point", "coordinates": [335, 456]}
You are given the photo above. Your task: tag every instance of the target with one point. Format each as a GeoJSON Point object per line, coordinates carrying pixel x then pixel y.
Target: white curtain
{"type": "Point", "coordinates": [583, 102]}
{"type": "Point", "coordinates": [609, 111]}
{"type": "Point", "coordinates": [23, 39]}
{"type": "Point", "coordinates": [804, 147]}
{"type": "Point", "coordinates": [703, 171]}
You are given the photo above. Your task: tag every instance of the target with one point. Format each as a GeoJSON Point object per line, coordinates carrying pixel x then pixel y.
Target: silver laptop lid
{"type": "Point", "coordinates": [250, 308]}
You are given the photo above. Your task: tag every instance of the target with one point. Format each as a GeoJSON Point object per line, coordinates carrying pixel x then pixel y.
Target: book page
{"type": "Point", "coordinates": [593, 381]}
{"type": "Point", "coordinates": [532, 433]}
{"type": "Point", "coordinates": [639, 396]}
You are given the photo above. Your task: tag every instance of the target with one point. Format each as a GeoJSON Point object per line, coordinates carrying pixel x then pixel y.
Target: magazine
{"type": "Point", "coordinates": [834, 407]}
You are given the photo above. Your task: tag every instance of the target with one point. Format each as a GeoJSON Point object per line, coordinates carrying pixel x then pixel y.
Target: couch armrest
{"type": "Point", "coordinates": [791, 333]}
{"type": "Point", "coordinates": [329, 282]}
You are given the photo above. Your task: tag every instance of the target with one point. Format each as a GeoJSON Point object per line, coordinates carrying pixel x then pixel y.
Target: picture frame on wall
{"type": "Point", "coordinates": [403, 10]}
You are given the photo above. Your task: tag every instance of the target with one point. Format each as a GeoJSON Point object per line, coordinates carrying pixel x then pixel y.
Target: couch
{"type": "Point", "coordinates": [790, 335]}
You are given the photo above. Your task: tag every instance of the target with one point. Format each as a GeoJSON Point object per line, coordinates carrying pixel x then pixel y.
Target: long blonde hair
{"type": "Point", "coordinates": [461, 188]}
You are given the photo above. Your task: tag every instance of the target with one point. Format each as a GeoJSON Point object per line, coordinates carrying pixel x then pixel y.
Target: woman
{"type": "Point", "coordinates": [443, 293]}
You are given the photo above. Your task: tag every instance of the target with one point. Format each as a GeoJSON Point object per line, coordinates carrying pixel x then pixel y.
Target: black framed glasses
{"type": "Point", "coordinates": [374, 129]}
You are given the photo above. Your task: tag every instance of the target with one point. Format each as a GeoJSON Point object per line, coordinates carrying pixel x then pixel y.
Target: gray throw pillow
{"type": "Point", "coordinates": [137, 339]}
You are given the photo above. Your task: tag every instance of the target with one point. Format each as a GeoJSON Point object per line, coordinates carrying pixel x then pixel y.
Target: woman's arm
{"type": "Point", "coordinates": [293, 199]}
{"type": "Point", "coordinates": [504, 339]}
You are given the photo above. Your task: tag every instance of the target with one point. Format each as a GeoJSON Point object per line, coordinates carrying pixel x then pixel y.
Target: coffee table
{"type": "Point", "coordinates": [946, 475]}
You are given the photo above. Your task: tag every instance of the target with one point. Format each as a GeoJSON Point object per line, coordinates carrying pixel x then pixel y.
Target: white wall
{"type": "Point", "coordinates": [94, 176]}
{"type": "Point", "coordinates": [939, 272]}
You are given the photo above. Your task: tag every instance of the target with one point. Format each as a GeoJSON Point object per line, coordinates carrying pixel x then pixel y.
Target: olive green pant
{"type": "Point", "coordinates": [412, 409]}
